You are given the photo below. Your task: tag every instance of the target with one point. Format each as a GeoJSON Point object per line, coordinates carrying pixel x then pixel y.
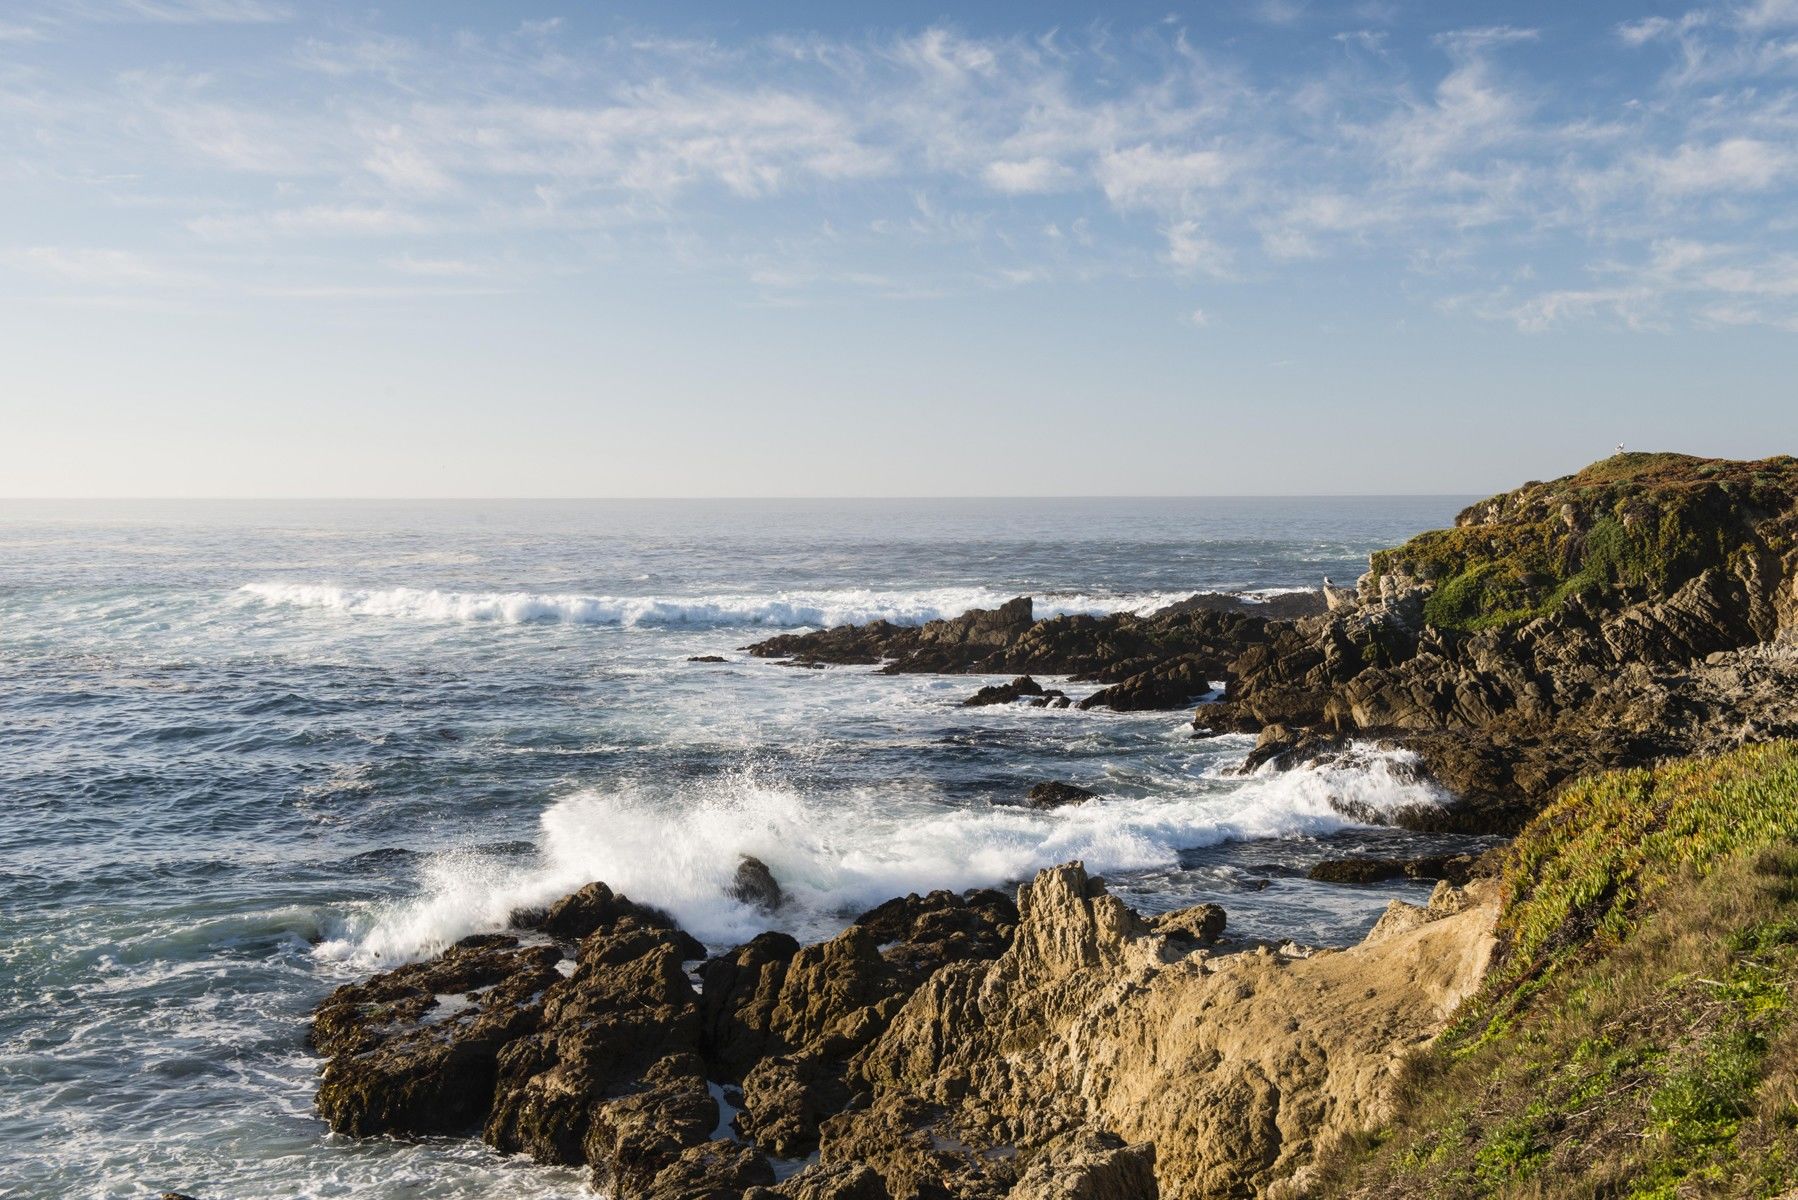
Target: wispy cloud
{"type": "Point", "coordinates": [941, 161]}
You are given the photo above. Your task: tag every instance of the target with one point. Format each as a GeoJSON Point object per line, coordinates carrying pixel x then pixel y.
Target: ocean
{"type": "Point", "coordinates": [250, 751]}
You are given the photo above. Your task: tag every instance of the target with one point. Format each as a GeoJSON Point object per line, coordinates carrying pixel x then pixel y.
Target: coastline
{"type": "Point", "coordinates": [971, 1049]}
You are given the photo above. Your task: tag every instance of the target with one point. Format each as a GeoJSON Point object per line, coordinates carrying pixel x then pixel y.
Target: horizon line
{"type": "Point", "coordinates": [729, 499]}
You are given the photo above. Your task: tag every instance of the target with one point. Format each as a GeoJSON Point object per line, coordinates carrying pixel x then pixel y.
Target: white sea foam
{"type": "Point", "coordinates": [780, 609]}
{"type": "Point", "coordinates": [838, 854]}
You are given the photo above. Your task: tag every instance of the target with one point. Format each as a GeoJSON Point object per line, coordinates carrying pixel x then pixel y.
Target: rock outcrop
{"type": "Point", "coordinates": [940, 1046]}
{"type": "Point", "coordinates": [1643, 608]}
{"type": "Point", "coordinates": [1164, 660]}
{"type": "Point", "coordinates": [1237, 1069]}
{"type": "Point", "coordinates": [584, 1041]}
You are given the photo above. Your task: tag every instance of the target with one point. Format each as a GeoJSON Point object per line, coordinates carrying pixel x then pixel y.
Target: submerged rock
{"type": "Point", "coordinates": [1456, 868]}
{"type": "Point", "coordinates": [1054, 794]}
{"type": "Point", "coordinates": [1021, 688]}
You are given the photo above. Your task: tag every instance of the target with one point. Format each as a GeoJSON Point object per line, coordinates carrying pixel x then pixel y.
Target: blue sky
{"type": "Point", "coordinates": [260, 247]}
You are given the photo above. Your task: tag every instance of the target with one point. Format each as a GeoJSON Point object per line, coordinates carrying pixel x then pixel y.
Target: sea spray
{"type": "Point", "coordinates": [838, 853]}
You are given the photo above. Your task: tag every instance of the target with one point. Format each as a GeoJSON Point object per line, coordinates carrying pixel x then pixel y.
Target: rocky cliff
{"type": "Point", "coordinates": [1643, 608]}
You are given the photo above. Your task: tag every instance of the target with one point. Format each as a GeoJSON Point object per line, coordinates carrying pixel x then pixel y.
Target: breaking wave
{"type": "Point", "coordinates": [838, 854]}
{"type": "Point", "coordinates": [783, 609]}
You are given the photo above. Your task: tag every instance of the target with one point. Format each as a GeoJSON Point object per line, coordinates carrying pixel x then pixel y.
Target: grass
{"type": "Point", "coordinates": [1647, 521]}
{"type": "Point", "coordinates": [1635, 1037]}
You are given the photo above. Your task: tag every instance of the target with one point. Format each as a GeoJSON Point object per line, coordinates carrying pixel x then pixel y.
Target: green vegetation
{"type": "Point", "coordinates": [1634, 520]}
{"type": "Point", "coordinates": [1635, 1037]}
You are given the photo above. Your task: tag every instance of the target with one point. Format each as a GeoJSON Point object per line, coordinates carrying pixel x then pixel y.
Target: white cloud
{"type": "Point", "coordinates": [1461, 157]}
{"type": "Point", "coordinates": [325, 220]}
{"type": "Point", "coordinates": [1024, 176]}
{"type": "Point", "coordinates": [1734, 164]}
{"type": "Point", "coordinates": [1159, 177]}
{"type": "Point", "coordinates": [1189, 250]}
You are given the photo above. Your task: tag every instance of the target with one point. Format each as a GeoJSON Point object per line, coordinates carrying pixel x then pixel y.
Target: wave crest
{"type": "Point", "coordinates": [837, 854]}
{"type": "Point", "coordinates": [850, 606]}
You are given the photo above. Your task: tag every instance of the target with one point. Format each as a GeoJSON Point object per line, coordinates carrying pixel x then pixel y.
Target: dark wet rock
{"type": "Point", "coordinates": [786, 1019]}
{"type": "Point", "coordinates": [1171, 684]}
{"type": "Point", "coordinates": [755, 884]}
{"type": "Point", "coordinates": [786, 1098]}
{"type": "Point", "coordinates": [399, 1060]}
{"type": "Point", "coordinates": [716, 1170]}
{"type": "Point", "coordinates": [707, 658]}
{"type": "Point", "coordinates": [632, 1138]}
{"type": "Point", "coordinates": [607, 1064]}
{"type": "Point", "coordinates": [740, 990]}
{"type": "Point", "coordinates": [176, 1196]}
{"type": "Point", "coordinates": [627, 1015]}
{"type": "Point", "coordinates": [597, 906]}
{"type": "Point", "coordinates": [1456, 868]}
{"type": "Point", "coordinates": [919, 934]}
{"type": "Point", "coordinates": [838, 1181]}
{"type": "Point", "coordinates": [1054, 794]}
{"type": "Point", "coordinates": [1021, 688]}
{"type": "Point", "coordinates": [1197, 925]}
{"type": "Point", "coordinates": [1161, 660]}
{"type": "Point", "coordinates": [1284, 748]}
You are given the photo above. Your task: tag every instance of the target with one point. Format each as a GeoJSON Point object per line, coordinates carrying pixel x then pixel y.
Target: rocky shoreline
{"type": "Point", "coordinates": [941, 1045]}
{"type": "Point", "coordinates": [1061, 1044]}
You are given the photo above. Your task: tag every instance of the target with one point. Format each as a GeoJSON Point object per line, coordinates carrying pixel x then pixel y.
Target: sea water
{"type": "Point", "coordinates": [251, 751]}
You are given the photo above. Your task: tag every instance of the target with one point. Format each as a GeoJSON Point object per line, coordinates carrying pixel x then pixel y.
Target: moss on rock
{"type": "Point", "coordinates": [1649, 521]}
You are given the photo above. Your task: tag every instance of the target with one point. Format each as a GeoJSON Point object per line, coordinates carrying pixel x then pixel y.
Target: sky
{"type": "Point", "coordinates": [273, 248]}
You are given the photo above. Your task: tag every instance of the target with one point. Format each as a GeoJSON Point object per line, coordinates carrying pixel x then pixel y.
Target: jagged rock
{"type": "Point", "coordinates": [1054, 794]}
{"type": "Point", "coordinates": [740, 990]}
{"type": "Point", "coordinates": [711, 1171]}
{"type": "Point", "coordinates": [707, 658]}
{"type": "Point", "coordinates": [919, 934]}
{"type": "Point", "coordinates": [400, 1060]}
{"type": "Point", "coordinates": [1018, 689]}
{"type": "Point", "coordinates": [844, 1181]}
{"type": "Point", "coordinates": [786, 1098]}
{"type": "Point", "coordinates": [1083, 1025]}
{"type": "Point", "coordinates": [1284, 748]}
{"type": "Point", "coordinates": [597, 906]}
{"type": "Point", "coordinates": [1091, 1166]}
{"type": "Point", "coordinates": [755, 884]}
{"type": "Point", "coordinates": [1161, 660]}
{"type": "Point", "coordinates": [627, 1008]}
{"type": "Point", "coordinates": [785, 1019]}
{"type": "Point", "coordinates": [1171, 684]}
{"type": "Point", "coordinates": [1198, 925]}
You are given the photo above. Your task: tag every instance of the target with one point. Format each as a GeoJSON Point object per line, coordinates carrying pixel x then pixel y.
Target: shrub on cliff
{"type": "Point", "coordinates": [1649, 521]}
{"type": "Point", "coordinates": [1635, 1035]}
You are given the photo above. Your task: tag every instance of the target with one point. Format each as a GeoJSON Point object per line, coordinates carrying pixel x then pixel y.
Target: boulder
{"type": "Point", "coordinates": [755, 884]}
{"type": "Point", "coordinates": [1021, 688]}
